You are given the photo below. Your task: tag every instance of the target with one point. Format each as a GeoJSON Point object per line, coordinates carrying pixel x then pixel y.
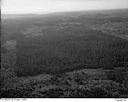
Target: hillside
{"type": "Point", "coordinates": [74, 54]}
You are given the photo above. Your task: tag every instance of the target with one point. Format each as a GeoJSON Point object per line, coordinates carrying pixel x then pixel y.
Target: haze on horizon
{"type": "Point", "coordinates": [51, 6]}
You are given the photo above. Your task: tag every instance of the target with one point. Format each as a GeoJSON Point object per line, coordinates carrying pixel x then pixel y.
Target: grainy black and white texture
{"type": "Point", "coordinates": [65, 55]}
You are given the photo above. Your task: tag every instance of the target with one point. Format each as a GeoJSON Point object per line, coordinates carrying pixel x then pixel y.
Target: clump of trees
{"type": "Point", "coordinates": [120, 75]}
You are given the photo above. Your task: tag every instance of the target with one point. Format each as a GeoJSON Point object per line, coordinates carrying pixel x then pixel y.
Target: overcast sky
{"type": "Point", "coordinates": [49, 6]}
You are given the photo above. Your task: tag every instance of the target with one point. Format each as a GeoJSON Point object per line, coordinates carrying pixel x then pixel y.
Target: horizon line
{"type": "Point", "coordinates": [40, 13]}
